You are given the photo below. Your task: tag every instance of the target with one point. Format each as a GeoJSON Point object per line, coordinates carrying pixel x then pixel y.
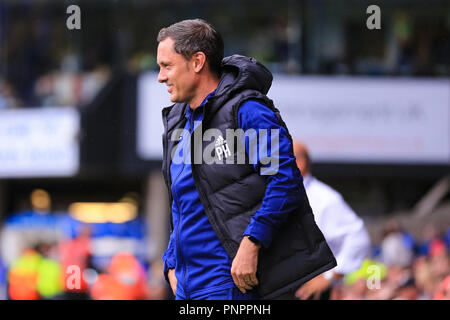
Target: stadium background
{"type": "Point", "coordinates": [80, 127]}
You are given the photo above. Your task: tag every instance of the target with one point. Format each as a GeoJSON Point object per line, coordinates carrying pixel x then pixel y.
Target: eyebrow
{"type": "Point", "coordinates": [163, 63]}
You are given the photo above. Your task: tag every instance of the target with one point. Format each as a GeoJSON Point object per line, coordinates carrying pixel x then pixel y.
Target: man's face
{"type": "Point", "coordinates": [175, 72]}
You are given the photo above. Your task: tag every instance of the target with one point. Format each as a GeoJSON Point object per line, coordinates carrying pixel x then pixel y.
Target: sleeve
{"type": "Point", "coordinates": [346, 235]}
{"type": "Point", "coordinates": [270, 150]}
{"type": "Point", "coordinates": [169, 257]}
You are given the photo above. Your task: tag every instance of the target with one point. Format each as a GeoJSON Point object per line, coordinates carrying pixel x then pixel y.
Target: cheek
{"type": "Point", "coordinates": [183, 82]}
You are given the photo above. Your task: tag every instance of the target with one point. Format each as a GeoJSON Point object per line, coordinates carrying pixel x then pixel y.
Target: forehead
{"type": "Point", "coordinates": [166, 45]}
{"type": "Point", "coordinates": [166, 52]}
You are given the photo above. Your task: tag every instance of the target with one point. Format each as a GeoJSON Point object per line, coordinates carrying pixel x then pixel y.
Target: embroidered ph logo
{"type": "Point", "coordinates": [222, 148]}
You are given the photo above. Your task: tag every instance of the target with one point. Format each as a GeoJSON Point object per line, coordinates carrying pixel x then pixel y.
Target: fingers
{"type": "Point", "coordinates": [237, 282]}
{"type": "Point", "coordinates": [250, 281]}
{"type": "Point", "coordinates": [304, 292]}
{"type": "Point", "coordinates": [242, 285]}
{"type": "Point", "coordinates": [173, 285]}
{"type": "Point", "coordinates": [304, 295]}
{"type": "Point", "coordinates": [254, 280]}
{"type": "Point", "coordinates": [174, 290]}
{"type": "Point", "coordinates": [244, 266]}
{"type": "Point", "coordinates": [173, 281]}
{"type": "Point", "coordinates": [244, 282]}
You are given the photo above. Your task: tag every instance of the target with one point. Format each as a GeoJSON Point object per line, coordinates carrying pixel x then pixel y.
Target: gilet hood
{"type": "Point", "coordinates": [239, 73]}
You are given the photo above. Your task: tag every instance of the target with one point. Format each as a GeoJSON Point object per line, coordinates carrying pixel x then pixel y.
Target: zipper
{"type": "Point", "coordinates": [171, 184]}
{"type": "Point", "coordinates": [191, 122]}
{"type": "Point", "coordinates": [180, 252]}
{"type": "Point", "coordinates": [166, 157]}
{"type": "Point", "coordinates": [166, 166]}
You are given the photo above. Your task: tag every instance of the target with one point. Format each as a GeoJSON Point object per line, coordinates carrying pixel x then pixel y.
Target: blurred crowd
{"type": "Point", "coordinates": [402, 268]}
{"type": "Point", "coordinates": [43, 63]}
{"type": "Point", "coordinates": [57, 255]}
{"type": "Point", "coordinates": [63, 271]}
{"type": "Point", "coordinates": [57, 88]}
{"type": "Point", "coordinates": [399, 268]}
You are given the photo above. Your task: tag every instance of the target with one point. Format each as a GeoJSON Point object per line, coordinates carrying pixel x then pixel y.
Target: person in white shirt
{"type": "Point", "coordinates": [343, 230]}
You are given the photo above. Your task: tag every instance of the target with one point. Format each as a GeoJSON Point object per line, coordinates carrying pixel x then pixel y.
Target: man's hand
{"type": "Point", "coordinates": [313, 287]}
{"type": "Point", "coordinates": [245, 263]}
{"type": "Point", "coordinates": [172, 280]}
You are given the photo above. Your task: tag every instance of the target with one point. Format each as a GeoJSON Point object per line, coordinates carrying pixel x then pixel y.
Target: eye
{"type": "Point", "coordinates": [163, 66]}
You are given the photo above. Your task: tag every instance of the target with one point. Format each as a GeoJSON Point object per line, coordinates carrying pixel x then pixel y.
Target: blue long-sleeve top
{"type": "Point", "coordinates": [200, 261]}
{"type": "Point", "coordinates": [283, 187]}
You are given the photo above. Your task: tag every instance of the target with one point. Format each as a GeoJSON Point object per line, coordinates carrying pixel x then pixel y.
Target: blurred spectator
{"type": "Point", "coordinates": [8, 99]}
{"type": "Point", "coordinates": [401, 282]}
{"type": "Point", "coordinates": [76, 253]}
{"type": "Point", "coordinates": [443, 291]}
{"type": "Point", "coordinates": [426, 281]}
{"type": "Point", "coordinates": [50, 282]}
{"type": "Point", "coordinates": [355, 291]}
{"type": "Point", "coordinates": [439, 261]}
{"type": "Point", "coordinates": [23, 276]}
{"type": "Point", "coordinates": [64, 88]}
{"type": "Point", "coordinates": [27, 228]}
{"type": "Point", "coordinates": [395, 251]}
{"type": "Point", "coordinates": [35, 275]}
{"type": "Point", "coordinates": [342, 228]}
{"type": "Point", "coordinates": [44, 90]}
{"type": "Point", "coordinates": [430, 237]}
{"type": "Point", "coordinates": [407, 290]}
{"type": "Point", "coordinates": [92, 82]}
{"type": "Point", "coordinates": [125, 280]}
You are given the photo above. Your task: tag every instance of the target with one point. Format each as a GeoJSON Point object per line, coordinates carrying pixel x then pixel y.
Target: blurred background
{"type": "Point", "coordinates": [83, 206]}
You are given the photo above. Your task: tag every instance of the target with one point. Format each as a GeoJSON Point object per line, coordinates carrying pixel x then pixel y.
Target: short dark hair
{"type": "Point", "coordinates": [194, 35]}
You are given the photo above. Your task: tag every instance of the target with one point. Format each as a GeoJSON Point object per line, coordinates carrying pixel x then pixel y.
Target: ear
{"type": "Point", "coordinates": [198, 61]}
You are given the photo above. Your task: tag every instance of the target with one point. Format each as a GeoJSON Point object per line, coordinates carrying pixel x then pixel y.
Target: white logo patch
{"type": "Point", "coordinates": [222, 148]}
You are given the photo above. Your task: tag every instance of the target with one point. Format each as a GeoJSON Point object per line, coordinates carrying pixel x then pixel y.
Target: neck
{"type": "Point", "coordinates": [208, 85]}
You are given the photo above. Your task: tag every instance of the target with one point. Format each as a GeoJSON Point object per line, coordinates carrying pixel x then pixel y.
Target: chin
{"type": "Point", "coordinates": [173, 98]}
{"type": "Point", "coordinates": [177, 99]}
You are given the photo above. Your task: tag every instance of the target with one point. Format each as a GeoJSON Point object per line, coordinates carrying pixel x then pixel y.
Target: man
{"type": "Point", "coordinates": [343, 229]}
{"type": "Point", "coordinates": [239, 229]}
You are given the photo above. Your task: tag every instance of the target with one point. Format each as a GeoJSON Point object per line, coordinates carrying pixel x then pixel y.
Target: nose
{"type": "Point", "coordinates": [162, 76]}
